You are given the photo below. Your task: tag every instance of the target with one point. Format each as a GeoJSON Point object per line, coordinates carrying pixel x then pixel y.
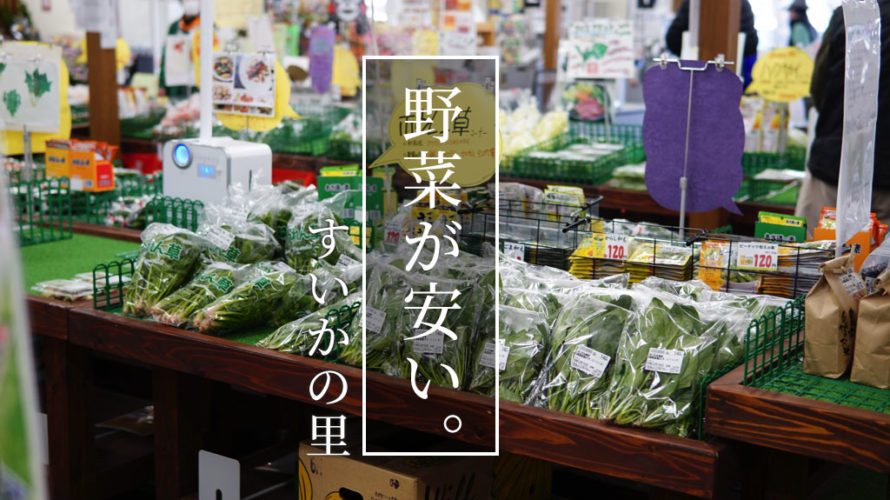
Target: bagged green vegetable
{"type": "Point", "coordinates": [167, 259]}
{"type": "Point", "coordinates": [234, 239]}
{"type": "Point", "coordinates": [310, 239]}
{"type": "Point", "coordinates": [298, 336]}
{"type": "Point", "coordinates": [211, 282]}
{"type": "Point", "coordinates": [523, 336]}
{"type": "Point", "coordinates": [249, 304]}
{"type": "Point", "coordinates": [583, 347]}
{"type": "Point", "coordinates": [275, 205]}
{"type": "Point", "coordinates": [329, 280]}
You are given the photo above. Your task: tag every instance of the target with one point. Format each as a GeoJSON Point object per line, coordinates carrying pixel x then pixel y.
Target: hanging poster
{"type": "Point", "coordinates": [21, 473]}
{"type": "Point", "coordinates": [600, 48]}
{"type": "Point", "coordinates": [178, 67]}
{"type": "Point", "coordinates": [29, 87]}
{"type": "Point", "coordinates": [457, 33]}
{"type": "Point", "coordinates": [244, 84]}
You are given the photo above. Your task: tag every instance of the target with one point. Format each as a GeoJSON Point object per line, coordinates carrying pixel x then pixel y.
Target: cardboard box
{"type": "Point", "coordinates": [392, 478]}
{"type": "Point", "coordinates": [57, 160]}
{"type": "Point", "coordinates": [87, 163]}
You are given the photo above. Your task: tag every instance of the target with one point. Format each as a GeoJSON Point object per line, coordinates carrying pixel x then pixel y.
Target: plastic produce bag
{"type": "Point", "coordinates": [298, 336]}
{"type": "Point", "coordinates": [275, 205]}
{"type": "Point", "coordinates": [69, 290]}
{"type": "Point", "coordinates": [251, 303]}
{"type": "Point", "coordinates": [234, 239]}
{"type": "Point", "coordinates": [167, 259]}
{"type": "Point", "coordinates": [211, 282]}
{"type": "Point", "coordinates": [583, 349]}
{"type": "Point", "coordinates": [329, 281]}
{"type": "Point", "coordinates": [310, 237]}
{"type": "Point", "coordinates": [523, 335]}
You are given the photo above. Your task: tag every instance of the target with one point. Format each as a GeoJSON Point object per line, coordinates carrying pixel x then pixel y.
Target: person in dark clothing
{"type": "Point", "coordinates": [802, 32]}
{"type": "Point", "coordinates": [827, 89]}
{"type": "Point", "coordinates": [674, 36]}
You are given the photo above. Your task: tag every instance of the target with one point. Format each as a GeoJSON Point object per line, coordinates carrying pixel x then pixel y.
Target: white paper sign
{"type": "Point", "coordinates": [244, 84]}
{"type": "Point", "coordinates": [615, 246]}
{"type": "Point", "coordinates": [664, 360]}
{"type": "Point", "coordinates": [590, 361]}
{"type": "Point", "coordinates": [600, 48]}
{"type": "Point", "coordinates": [757, 256]}
{"type": "Point", "coordinates": [433, 343]}
{"type": "Point", "coordinates": [487, 357]}
{"type": "Point", "coordinates": [259, 30]}
{"type": "Point", "coordinates": [178, 67]}
{"type": "Point", "coordinates": [29, 87]}
{"type": "Point", "coordinates": [375, 319]}
{"type": "Point", "coordinates": [514, 251]}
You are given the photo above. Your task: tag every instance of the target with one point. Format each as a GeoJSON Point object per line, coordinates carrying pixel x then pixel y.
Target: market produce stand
{"type": "Point", "coordinates": [183, 362]}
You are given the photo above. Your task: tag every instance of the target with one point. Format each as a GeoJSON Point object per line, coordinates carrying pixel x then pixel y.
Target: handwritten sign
{"type": "Point", "coordinates": [600, 48]}
{"type": "Point", "coordinates": [782, 75]}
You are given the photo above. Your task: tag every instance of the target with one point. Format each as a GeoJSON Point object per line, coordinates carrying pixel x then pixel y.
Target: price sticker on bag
{"type": "Point", "coordinates": [219, 237]}
{"type": "Point", "coordinates": [757, 256]}
{"type": "Point", "coordinates": [487, 358]}
{"type": "Point", "coordinates": [515, 251]}
{"type": "Point", "coordinates": [374, 320]}
{"type": "Point", "coordinates": [853, 284]}
{"type": "Point", "coordinates": [615, 246]}
{"type": "Point", "coordinates": [433, 343]}
{"type": "Point", "coordinates": [664, 360]}
{"type": "Point", "coordinates": [589, 361]}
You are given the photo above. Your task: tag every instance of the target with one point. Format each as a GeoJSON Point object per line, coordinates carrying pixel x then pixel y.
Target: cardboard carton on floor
{"type": "Point", "coordinates": [392, 478]}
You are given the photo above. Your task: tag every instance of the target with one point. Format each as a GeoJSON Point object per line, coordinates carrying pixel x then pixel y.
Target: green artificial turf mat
{"type": "Point", "coordinates": [63, 259]}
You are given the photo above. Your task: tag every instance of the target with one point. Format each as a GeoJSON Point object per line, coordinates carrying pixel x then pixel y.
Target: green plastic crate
{"type": "Point", "coordinates": [774, 362]}
{"type": "Point", "coordinates": [41, 210]}
{"type": "Point", "coordinates": [591, 172]}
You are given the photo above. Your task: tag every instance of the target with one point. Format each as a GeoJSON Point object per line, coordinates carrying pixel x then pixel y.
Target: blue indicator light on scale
{"type": "Point", "coordinates": [182, 156]}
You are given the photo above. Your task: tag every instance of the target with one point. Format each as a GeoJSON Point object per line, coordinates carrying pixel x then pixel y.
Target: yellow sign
{"type": "Point", "coordinates": [233, 13]}
{"type": "Point", "coordinates": [782, 75]}
{"type": "Point", "coordinates": [445, 129]}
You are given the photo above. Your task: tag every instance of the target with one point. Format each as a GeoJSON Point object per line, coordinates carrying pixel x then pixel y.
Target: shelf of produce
{"type": "Point", "coordinates": [798, 425]}
{"type": "Point", "coordinates": [652, 458]}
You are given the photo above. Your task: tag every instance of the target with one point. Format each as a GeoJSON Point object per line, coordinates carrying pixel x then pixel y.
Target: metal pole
{"type": "Point", "coordinates": [156, 36]}
{"type": "Point", "coordinates": [206, 59]}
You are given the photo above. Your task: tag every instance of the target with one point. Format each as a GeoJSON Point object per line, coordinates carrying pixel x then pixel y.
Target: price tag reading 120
{"type": "Point", "coordinates": [757, 256]}
{"type": "Point", "coordinates": [615, 246]}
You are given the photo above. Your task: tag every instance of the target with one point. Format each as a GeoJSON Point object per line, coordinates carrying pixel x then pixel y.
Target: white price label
{"type": "Point", "coordinates": [487, 358]}
{"type": "Point", "coordinates": [590, 361]}
{"type": "Point", "coordinates": [219, 237]}
{"type": "Point", "coordinates": [346, 261]}
{"type": "Point", "coordinates": [433, 343]}
{"type": "Point", "coordinates": [757, 256]}
{"type": "Point", "coordinates": [393, 233]}
{"type": "Point", "coordinates": [664, 360]}
{"type": "Point", "coordinates": [375, 319]}
{"type": "Point", "coordinates": [853, 284]}
{"type": "Point", "coordinates": [514, 251]}
{"type": "Point", "coordinates": [615, 247]}
{"type": "Point", "coordinates": [239, 213]}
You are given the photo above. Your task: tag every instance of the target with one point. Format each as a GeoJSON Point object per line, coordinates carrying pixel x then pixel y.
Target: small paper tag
{"type": "Point", "coordinates": [853, 284]}
{"type": "Point", "coordinates": [239, 213]}
{"type": "Point", "coordinates": [346, 261]}
{"type": "Point", "coordinates": [393, 233]}
{"type": "Point", "coordinates": [590, 361]}
{"type": "Point", "coordinates": [514, 251]}
{"type": "Point", "coordinates": [219, 237]}
{"type": "Point", "coordinates": [433, 343]}
{"type": "Point", "coordinates": [487, 358]}
{"type": "Point", "coordinates": [757, 256]}
{"type": "Point", "coordinates": [664, 360]}
{"type": "Point", "coordinates": [375, 319]}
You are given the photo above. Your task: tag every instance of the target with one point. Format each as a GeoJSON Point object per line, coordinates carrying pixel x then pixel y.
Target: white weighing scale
{"type": "Point", "coordinates": [204, 169]}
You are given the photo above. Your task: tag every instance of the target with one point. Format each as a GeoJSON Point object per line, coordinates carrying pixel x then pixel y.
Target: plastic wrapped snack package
{"type": "Point", "coordinates": [68, 290]}
{"type": "Point", "coordinates": [168, 258]}
{"type": "Point", "coordinates": [249, 304]}
{"type": "Point", "coordinates": [583, 348]}
{"type": "Point", "coordinates": [210, 283]}
{"type": "Point", "coordinates": [233, 238]}
{"type": "Point", "coordinates": [299, 336]}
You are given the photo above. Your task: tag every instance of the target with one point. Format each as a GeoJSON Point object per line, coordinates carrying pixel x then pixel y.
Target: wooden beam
{"type": "Point", "coordinates": [551, 34]}
{"type": "Point", "coordinates": [102, 71]}
{"type": "Point", "coordinates": [718, 31]}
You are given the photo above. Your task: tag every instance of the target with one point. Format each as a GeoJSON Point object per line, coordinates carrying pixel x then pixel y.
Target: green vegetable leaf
{"type": "Point", "coordinates": [12, 100]}
{"type": "Point", "coordinates": [37, 82]}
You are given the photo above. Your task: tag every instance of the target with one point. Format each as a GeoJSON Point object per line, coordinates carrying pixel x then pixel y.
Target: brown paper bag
{"type": "Point", "coordinates": [831, 313]}
{"type": "Point", "coordinates": [871, 359]}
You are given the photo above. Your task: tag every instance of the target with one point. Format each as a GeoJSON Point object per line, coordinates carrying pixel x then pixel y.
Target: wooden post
{"type": "Point", "coordinates": [102, 71]}
{"type": "Point", "coordinates": [718, 33]}
{"type": "Point", "coordinates": [551, 48]}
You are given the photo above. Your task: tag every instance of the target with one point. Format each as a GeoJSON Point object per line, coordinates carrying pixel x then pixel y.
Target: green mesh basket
{"type": "Point", "coordinates": [591, 172]}
{"type": "Point", "coordinates": [41, 210]}
{"type": "Point", "coordinates": [774, 362]}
